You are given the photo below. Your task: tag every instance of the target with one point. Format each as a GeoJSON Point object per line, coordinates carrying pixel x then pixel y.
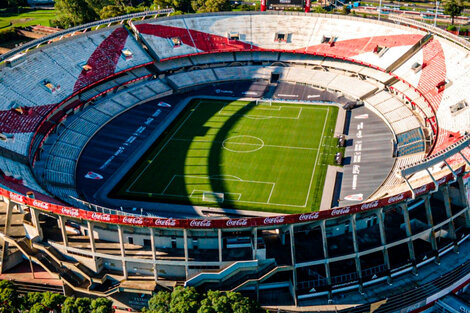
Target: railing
{"type": "Point", "coordinates": [449, 36]}
{"type": "Point", "coordinates": [48, 38]}
{"type": "Point", "coordinates": [230, 270]}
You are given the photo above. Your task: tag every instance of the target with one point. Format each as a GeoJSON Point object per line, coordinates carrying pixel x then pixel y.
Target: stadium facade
{"type": "Point", "coordinates": [409, 231]}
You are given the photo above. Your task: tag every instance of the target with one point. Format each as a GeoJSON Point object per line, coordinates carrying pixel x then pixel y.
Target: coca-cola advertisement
{"type": "Point", "coordinates": [132, 220]}
{"type": "Point", "coordinates": [200, 224]}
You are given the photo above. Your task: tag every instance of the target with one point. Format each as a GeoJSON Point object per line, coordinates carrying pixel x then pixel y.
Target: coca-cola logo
{"type": "Point", "coordinates": [70, 211]}
{"type": "Point", "coordinates": [421, 189]}
{"type": "Point", "coordinates": [396, 198]}
{"type": "Point", "coordinates": [15, 197]}
{"type": "Point", "coordinates": [40, 204]}
{"type": "Point", "coordinates": [101, 217]}
{"type": "Point", "coordinates": [200, 223]}
{"type": "Point", "coordinates": [340, 211]}
{"type": "Point", "coordinates": [165, 222]}
{"type": "Point", "coordinates": [309, 216]}
{"type": "Point", "coordinates": [133, 220]}
{"type": "Point", "coordinates": [273, 220]}
{"type": "Point", "coordinates": [237, 222]}
{"type": "Point", "coordinates": [370, 205]}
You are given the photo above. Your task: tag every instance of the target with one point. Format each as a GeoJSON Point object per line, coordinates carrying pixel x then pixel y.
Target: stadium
{"type": "Point", "coordinates": [309, 159]}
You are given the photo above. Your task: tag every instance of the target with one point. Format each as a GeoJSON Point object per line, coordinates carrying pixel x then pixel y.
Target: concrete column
{"type": "Point", "coordinates": [325, 254]}
{"type": "Point", "coordinates": [356, 250]}
{"type": "Point", "coordinates": [91, 235]}
{"type": "Point", "coordinates": [292, 252]}
{"type": "Point", "coordinates": [464, 200]}
{"type": "Point", "coordinates": [36, 223]}
{"type": "Point", "coordinates": [186, 257]}
{"type": "Point", "coordinates": [6, 230]}
{"type": "Point", "coordinates": [432, 234]}
{"type": "Point", "coordinates": [383, 240]}
{"type": "Point", "coordinates": [154, 253]}
{"type": "Point", "coordinates": [452, 234]}
{"type": "Point", "coordinates": [123, 251]}
{"type": "Point", "coordinates": [62, 221]}
{"type": "Point", "coordinates": [411, 250]}
{"type": "Point", "coordinates": [255, 242]}
{"type": "Point", "coordinates": [219, 243]}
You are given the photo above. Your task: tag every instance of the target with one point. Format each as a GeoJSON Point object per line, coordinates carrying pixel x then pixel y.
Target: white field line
{"type": "Point", "coordinates": [316, 158]}
{"type": "Point", "coordinates": [271, 193]}
{"type": "Point", "coordinates": [161, 149]}
{"type": "Point", "coordinates": [247, 144]}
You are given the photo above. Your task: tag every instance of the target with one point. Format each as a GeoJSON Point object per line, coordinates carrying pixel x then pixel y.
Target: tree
{"type": "Point", "coordinates": [39, 308]}
{"type": "Point", "coordinates": [111, 11]}
{"type": "Point", "coordinates": [52, 300]}
{"type": "Point", "coordinates": [9, 299]}
{"type": "Point", "coordinates": [69, 306]}
{"type": "Point", "coordinates": [184, 300]}
{"type": "Point", "coordinates": [319, 9]}
{"type": "Point", "coordinates": [178, 5]}
{"type": "Point", "coordinates": [32, 298]}
{"type": "Point", "coordinates": [160, 303]}
{"type": "Point", "coordinates": [74, 12]}
{"type": "Point", "coordinates": [101, 305]}
{"type": "Point", "coordinates": [202, 6]}
{"type": "Point", "coordinates": [453, 8]}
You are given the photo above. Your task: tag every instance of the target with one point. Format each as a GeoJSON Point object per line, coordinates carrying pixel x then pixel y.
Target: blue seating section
{"type": "Point", "coordinates": [410, 136]}
{"type": "Point", "coordinates": [410, 142]}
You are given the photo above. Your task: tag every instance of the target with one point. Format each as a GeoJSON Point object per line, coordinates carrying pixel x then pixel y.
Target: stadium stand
{"type": "Point", "coordinates": [54, 99]}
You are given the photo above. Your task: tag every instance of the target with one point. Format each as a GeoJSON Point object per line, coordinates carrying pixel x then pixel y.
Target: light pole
{"type": "Point", "coordinates": [435, 15]}
{"type": "Point", "coordinates": [380, 8]}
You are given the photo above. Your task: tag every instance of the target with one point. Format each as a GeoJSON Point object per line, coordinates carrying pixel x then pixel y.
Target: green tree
{"type": "Point", "coordinates": [101, 305]}
{"type": "Point", "coordinates": [178, 5]}
{"type": "Point", "coordinates": [184, 300]}
{"type": "Point", "coordinates": [160, 303]}
{"type": "Point", "coordinates": [52, 300]}
{"type": "Point", "coordinates": [111, 11]}
{"type": "Point", "coordinates": [202, 6]}
{"type": "Point", "coordinates": [319, 9]}
{"type": "Point", "coordinates": [32, 298]}
{"type": "Point", "coordinates": [74, 12]}
{"type": "Point", "coordinates": [69, 306]}
{"type": "Point", "coordinates": [39, 308]}
{"type": "Point", "coordinates": [9, 299]}
{"type": "Point", "coordinates": [453, 8]}
{"type": "Point", "coordinates": [83, 305]}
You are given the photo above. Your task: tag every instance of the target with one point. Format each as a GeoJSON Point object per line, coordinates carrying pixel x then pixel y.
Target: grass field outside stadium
{"type": "Point", "coordinates": [266, 157]}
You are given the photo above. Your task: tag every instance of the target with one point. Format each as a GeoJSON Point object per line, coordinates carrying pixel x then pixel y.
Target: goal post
{"type": "Point", "coordinates": [268, 102]}
{"type": "Point", "coordinates": [213, 196]}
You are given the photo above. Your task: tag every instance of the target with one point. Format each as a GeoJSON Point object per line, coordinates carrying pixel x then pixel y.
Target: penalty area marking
{"type": "Point", "coordinates": [218, 177]}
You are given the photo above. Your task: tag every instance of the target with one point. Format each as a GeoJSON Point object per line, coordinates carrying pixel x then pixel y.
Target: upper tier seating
{"type": "Point", "coordinates": [176, 37]}
{"type": "Point", "coordinates": [50, 74]}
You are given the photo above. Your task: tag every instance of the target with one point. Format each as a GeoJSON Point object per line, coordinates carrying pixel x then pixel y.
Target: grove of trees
{"type": "Point", "coordinates": [181, 300]}
{"type": "Point", "coordinates": [76, 12]}
{"type": "Point", "coordinates": [45, 302]}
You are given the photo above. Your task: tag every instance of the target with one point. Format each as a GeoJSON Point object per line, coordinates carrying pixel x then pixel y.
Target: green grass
{"type": "Point", "coordinates": [41, 17]}
{"type": "Point", "coordinates": [269, 158]}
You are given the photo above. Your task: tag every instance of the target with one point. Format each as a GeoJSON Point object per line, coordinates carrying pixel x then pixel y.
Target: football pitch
{"type": "Point", "coordinates": [265, 157]}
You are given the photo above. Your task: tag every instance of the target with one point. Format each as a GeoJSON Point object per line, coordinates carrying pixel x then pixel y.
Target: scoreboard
{"type": "Point", "coordinates": [280, 4]}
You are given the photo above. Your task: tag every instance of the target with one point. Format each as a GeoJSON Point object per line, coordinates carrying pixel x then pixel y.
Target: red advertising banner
{"type": "Point", "coordinates": [140, 221]}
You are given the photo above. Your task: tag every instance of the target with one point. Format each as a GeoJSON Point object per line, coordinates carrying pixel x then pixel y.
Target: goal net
{"type": "Point", "coordinates": [264, 102]}
{"type": "Point", "coordinates": [213, 196]}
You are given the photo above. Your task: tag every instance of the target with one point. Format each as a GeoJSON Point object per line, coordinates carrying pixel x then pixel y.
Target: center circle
{"type": "Point", "coordinates": [243, 144]}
